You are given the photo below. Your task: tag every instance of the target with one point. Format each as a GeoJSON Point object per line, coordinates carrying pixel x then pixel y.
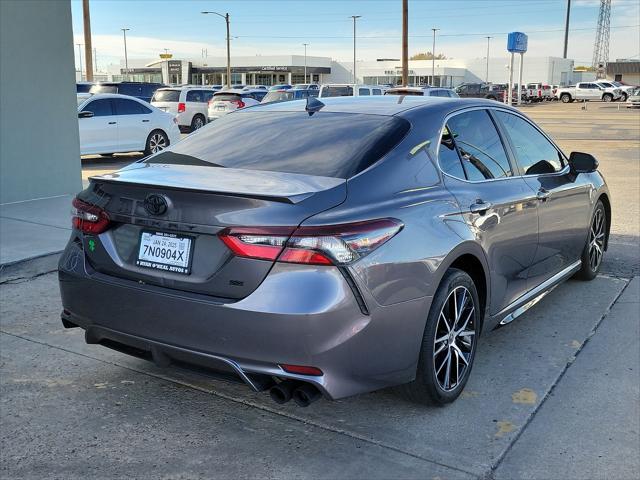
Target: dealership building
{"type": "Point", "coordinates": [272, 70]}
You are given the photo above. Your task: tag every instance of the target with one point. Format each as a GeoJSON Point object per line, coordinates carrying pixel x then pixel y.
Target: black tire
{"type": "Point", "coordinates": [607, 97]}
{"type": "Point", "coordinates": [198, 121]}
{"type": "Point", "coordinates": [598, 233]}
{"type": "Point", "coordinates": [156, 141]}
{"type": "Point", "coordinates": [427, 388]}
{"type": "Point", "coordinates": [565, 98]}
{"type": "Point", "coordinates": [624, 97]}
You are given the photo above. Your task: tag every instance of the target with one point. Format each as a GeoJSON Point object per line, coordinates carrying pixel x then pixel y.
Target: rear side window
{"type": "Point", "coordinates": [478, 145]}
{"type": "Point", "coordinates": [337, 91]}
{"type": "Point", "coordinates": [100, 108]}
{"type": "Point", "coordinates": [166, 96]}
{"type": "Point", "coordinates": [226, 97]}
{"type": "Point", "coordinates": [376, 91]}
{"type": "Point", "coordinates": [196, 96]}
{"type": "Point", "coordinates": [363, 91]}
{"type": "Point", "coordinates": [129, 107]}
{"type": "Point", "coordinates": [325, 144]}
{"type": "Point", "coordinates": [535, 154]}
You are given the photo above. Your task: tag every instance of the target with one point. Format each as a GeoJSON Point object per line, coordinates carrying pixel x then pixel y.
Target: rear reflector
{"type": "Point", "coordinates": [302, 370]}
{"type": "Point", "coordinates": [324, 245]}
{"type": "Point", "coordinates": [89, 218]}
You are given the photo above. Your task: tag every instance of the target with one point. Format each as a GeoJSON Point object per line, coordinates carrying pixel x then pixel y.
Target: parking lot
{"type": "Point", "coordinates": [553, 395]}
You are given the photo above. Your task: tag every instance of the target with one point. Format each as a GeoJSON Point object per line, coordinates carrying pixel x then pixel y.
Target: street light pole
{"type": "Point", "coordinates": [126, 58]}
{"type": "Point", "coordinates": [226, 19]}
{"type": "Point", "coordinates": [355, 17]}
{"type": "Point", "coordinates": [486, 79]}
{"type": "Point", "coordinates": [80, 59]}
{"type": "Point", "coordinates": [305, 62]}
{"type": "Point", "coordinates": [433, 58]}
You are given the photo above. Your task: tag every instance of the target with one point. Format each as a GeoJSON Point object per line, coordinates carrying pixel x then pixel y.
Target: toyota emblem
{"type": "Point", "coordinates": [155, 204]}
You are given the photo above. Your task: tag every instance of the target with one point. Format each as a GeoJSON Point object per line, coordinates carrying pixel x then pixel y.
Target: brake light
{"type": "Point", "coordinates": [325, 245]}
{"type": "Point", "coordinates": [301, 370]}
{"type": "Point", "coordinates": [239, 103]}
{"type": "Point", "coordinates": [89, 218]}
{"type": "Point", "coordinates": [181, 107]}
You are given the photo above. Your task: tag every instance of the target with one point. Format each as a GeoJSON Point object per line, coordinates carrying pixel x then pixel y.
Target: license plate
{"type": "Point", "coordinates": [165, 251]}
{"type": "Point", "coordinates": [220, 108]}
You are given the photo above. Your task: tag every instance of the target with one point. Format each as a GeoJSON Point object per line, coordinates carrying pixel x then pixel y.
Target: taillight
{"type": "Point", "coordinates": [239, 103]}
{"type": "Point", "coordinates": [301, 369]}
{"type": "Point", "coordinates": [89, 218]}
{"type": "Point", "coordinates": [325, 245]}
{"type": "Point", "coordinates": [181, 107]}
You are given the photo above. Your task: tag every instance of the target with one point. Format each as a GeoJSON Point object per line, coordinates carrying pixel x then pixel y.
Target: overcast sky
{"type": "Point", "coordinates": [280, 27]}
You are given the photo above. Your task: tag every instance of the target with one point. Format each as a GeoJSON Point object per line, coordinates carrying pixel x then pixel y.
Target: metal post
{"type": "Point", "coordinates": [520, 79]}
{"type": "Point", "coordinates": [226, 17]}
{"type": "Point", "coordinates": [355, 17]}
{"type": "Point", "coordinates": [510, 81]}
{"type": "Point", "coordinates": [305, 62]}
{"type": "Point", "coordinates": [566, 30]}
{"type": "Point", "coordinates": [80, 59]}
{"type": "Point", "coordinates": [433, 58]}
{"type": "Point", "coordinates": [126, 59]}
{"type": "Point", "coordinates": [486, 79]}
{"type": "Point", "coordinates": [88, 50]}
{"type": "Point", "coordinates": [95, 60]}
{"type": "Point", "coordinates": [405, 42]}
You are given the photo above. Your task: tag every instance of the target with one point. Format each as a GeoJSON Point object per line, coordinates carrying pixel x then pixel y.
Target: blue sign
{"type": "Point", "coordinates": [517, 42]}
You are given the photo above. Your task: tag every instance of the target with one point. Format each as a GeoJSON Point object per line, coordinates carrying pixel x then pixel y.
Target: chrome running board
{"type": "Point", "coordinates": [537, 294]}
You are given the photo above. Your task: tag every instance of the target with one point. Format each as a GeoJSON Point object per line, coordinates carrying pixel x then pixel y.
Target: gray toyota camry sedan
{"type": "Point", "coordinates": [328, 248]}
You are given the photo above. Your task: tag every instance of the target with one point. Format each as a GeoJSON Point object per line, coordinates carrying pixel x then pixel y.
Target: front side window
{"type": "Point", "coordinates": [100, 108]}
{"type": "Point", "coordinates": [479, 146]}
{"type": "Point", "coordinates": [363, 91]}
{"type": "Point", "coordinates": [377, 91]}
{"type": "Point", "coordinates": [129, 107]}
{"type": "Point", "coordinates": [534, 153]}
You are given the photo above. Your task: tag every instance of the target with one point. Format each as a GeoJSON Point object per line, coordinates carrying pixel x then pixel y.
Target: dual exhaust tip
{"type": "Point", "coordinates": [304, 394]}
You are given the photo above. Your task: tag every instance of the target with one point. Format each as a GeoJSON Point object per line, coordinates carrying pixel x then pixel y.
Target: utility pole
{"type": "Point", "coordinates": [88, 51]}
{"type": "Point", "coordinates": [433, 58]}
{"type": "Point", "coordinates": [226, 19]}
{"type": "Point", "coordinates": [126, 59]}
{"type": "Point", "coordinates": [486, 79]}
{"type": "Point", "coordinates": [405, 43]}
{"type": "Point", "coordinates": [305, 62]}
{"type": "Point", "coordinates": [355, 17]}
{"type": "Point", "coordinates": [566, 30]}
{"type": "Point", "coordinates": [80, 59]}
{"type": "Point", "coordinates": [95, 61]}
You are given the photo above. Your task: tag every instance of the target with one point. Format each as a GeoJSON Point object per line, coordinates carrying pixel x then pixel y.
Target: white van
{"type": "Point", "coordinates": [349, 90]}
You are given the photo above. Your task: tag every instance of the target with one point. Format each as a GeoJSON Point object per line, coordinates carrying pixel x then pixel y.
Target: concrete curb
{"type": "Point", "coordinates": [29, 267]}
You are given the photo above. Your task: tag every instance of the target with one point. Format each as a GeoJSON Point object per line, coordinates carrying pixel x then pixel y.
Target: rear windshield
{"type": "Point", "coordinates": [325, 144]}
{"type": "Point", "coordinates": [166, 96]}
{"type": "Point", "coordinates": [226, 97]}
{"type": "Point", "coordinates": [337, 91]}
{"type": "Point", "coordinates": [405, 92]}
{"type": "Point", "coordinates": [278, 96]}
{"type": "Point", "coordinates": [104, 89]}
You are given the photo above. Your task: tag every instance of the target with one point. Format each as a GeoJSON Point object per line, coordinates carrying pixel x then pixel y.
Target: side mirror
{"type": "Point", "coordinates": [85, 114]}
{"type": "Point", "coordinates": [582, 162]}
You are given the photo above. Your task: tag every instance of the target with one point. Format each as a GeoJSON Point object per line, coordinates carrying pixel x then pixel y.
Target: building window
{"type": "Point", "coordinates": [236, 78]}
{"type": "Point", "coordinates": [618, 77]}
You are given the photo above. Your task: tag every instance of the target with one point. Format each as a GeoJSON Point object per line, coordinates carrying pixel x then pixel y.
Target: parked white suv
{"type": "Point", "coordinates": [349, 90]}
{"type": "Point", "coordinates": [227, 101]}
{"type": "Point", "coordinates": [188, 104]}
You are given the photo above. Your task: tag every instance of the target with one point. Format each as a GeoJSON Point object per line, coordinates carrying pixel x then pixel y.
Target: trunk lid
{"type": "Point", "coordinates": [200, 201]}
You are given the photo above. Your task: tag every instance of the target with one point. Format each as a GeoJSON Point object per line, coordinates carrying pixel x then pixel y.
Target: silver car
{"type": "Point", "coordinates": [329, 248]}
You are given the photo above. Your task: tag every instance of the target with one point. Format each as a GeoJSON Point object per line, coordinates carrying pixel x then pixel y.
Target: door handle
{"type": "Point", "coordinates": [112, 123]}
{"type": "Point", "coordinates": [145, 120]}
{"type": "Point", "coordinates": [480, 206]}
{"type": "Point", "coordinates": [543, 194]}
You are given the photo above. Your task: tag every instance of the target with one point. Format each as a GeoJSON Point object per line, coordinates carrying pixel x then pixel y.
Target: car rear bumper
{"type": "Point", "coordinates": [299, 315]}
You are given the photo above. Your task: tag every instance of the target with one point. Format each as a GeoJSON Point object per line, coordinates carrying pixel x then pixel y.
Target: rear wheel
{"type": "Point", "coordinates": [624, 97]}
{"type": "Point", "coordinates": [565, 98]}
{"type": "Point", "coordinates": [607, 97]}
{"type": "Point", "coordinates": [594, 249]}
{"type": "Point", "coordinates": [197, 122]}
{"type": "Point", "coordinates": [156, 141]}
{"type": "Point", "coordinates": [449, 342]}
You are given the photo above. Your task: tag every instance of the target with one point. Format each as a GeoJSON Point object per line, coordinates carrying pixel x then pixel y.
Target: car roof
{"type": "Point", "coordinates": [96, 96]}
{"type": "Point", "coordinates": [379, 104]}
{"type": "Point", "coordinates": [189, 87]}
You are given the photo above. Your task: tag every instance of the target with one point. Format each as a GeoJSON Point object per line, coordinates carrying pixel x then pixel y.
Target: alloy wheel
{"type": "Point", "coordinates": [157, 142]}
{"type": "Point", "coordinates": [455, 338]}
{"type": "Point", "coordinates": [197, 123]}
{"type": "Point", "coordinates": [596, 240]}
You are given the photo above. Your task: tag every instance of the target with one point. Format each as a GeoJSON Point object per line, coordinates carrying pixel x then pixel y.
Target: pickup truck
{"type": "Point", "coordinates": [588, 91]}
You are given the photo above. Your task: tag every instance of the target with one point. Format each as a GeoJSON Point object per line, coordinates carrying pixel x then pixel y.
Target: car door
{"type": "Point", "coordinates": [134, 124]}
{"type": "Point", "coordinates": [99, 133]}
{"type": "Point", "coordinates": [563, 198]}
{"type": "Point", "coordinates": [496, 203]}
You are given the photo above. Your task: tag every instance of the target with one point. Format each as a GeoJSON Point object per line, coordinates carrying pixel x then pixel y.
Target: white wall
{"type": "Point", "coordinates": [39, 145]}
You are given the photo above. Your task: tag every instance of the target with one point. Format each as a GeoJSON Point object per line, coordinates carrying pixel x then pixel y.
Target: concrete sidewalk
{"type": "Point", "coordinates": [32, 235]}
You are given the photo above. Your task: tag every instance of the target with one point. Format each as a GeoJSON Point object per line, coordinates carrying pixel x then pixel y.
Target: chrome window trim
{"type": "Point", "coordinates": [564, 170]}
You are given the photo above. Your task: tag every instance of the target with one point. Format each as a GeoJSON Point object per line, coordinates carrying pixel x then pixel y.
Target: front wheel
{"type": "Point", "coordinates": [594, 249]}
{"type": "Point", "coordinates": [449, 342]}
{"type": "Point", "coordinates": [156, 141]}
{"type": "Point", "coordinates": [565, 98]}
{"type": "Point", "coordinates": [624, 97]}
{"type": "Point", "coordinates": [607, 97]}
